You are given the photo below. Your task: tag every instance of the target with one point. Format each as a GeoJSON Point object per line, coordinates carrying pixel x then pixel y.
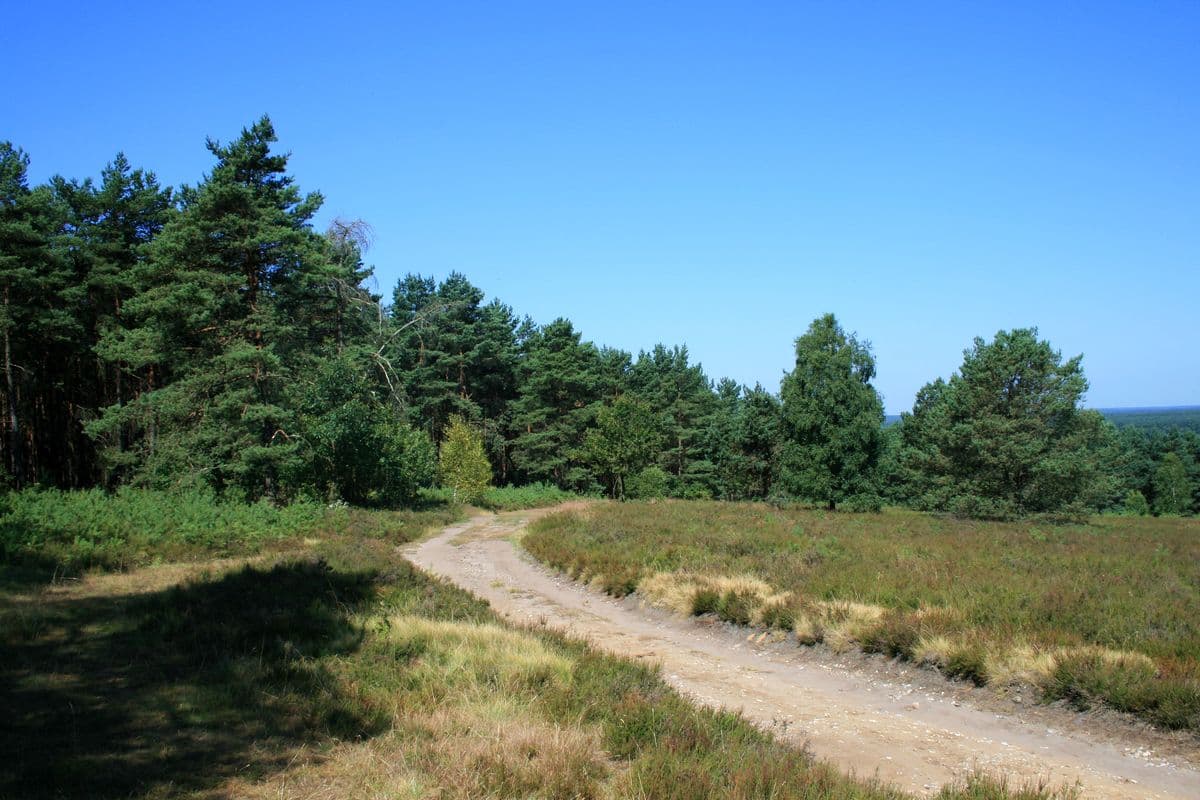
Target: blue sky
{"type": "Point", "coordinates": [715, 174]}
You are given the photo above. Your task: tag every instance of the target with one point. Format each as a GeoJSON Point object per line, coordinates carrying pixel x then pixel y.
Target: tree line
{"type": "Point", "coordinates": [209, 336]}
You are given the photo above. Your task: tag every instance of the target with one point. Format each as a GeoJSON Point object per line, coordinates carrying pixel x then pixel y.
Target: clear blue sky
{"type": "Point", "coordinates": [709, 174]}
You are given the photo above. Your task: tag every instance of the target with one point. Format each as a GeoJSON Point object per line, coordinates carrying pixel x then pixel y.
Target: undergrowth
{"type": "Point", "coordinates": [68, 532]}
{"type": "Point", "coordinates": [509, 498]}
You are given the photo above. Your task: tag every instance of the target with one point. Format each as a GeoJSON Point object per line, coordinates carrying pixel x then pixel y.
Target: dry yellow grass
{"type": "Point", "coordinates": [380, 770]}
{"type": "Point", "coordinates": [845, 623]}
{"type": "Point", "coordinates": [842, 625]}
{"type": "Point", "coordinates": [933, 651]}
{"type": "Point", "coordinates": [1020, 665]}
{"type": "Point", "coordinates": [477, 656]}
{"type": "Point", "coordinates": [479, 750]}
{"type": "Point", "coordinates": [677, 591]}
{"type": "Point", "coordinates": [471, 735]}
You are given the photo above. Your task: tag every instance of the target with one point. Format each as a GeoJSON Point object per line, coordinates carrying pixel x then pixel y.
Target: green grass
{"type": "Point", "coordinates": [67, 532]}
{"type": "Point", "coordinates": [515, 498]}
{"type": "Point", "coordinates": [508, 498]}
{"type": "Point", "coordinates": [338, 670]}
{"type": "Point", "coordinates": [1058, 606]}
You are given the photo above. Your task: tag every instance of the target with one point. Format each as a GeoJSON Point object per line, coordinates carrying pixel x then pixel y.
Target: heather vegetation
{"type": "Point", "coordinates": [335, 669]}
{"type": "Point", "coordinates": [1101, 612]}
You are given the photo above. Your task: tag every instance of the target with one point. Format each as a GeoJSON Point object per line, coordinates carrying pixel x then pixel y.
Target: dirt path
{"type": "Point", "coordinates": [870, 722]}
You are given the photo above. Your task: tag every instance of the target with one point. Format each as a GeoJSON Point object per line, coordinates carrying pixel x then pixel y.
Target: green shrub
{"type": "Point", "coordinates": [863, 503]}
{"type": "Point", "coordinates": [895, 635]}
{"type": "Point", "coordinates": [1134, 685]}
{"type": "Point", "coordinates": [779, 615]}
{"type": "Point", "coordinates": [695, 491]}
{"type": "Point", "coordinates": [649, 484]}
{"type": "Point", "coordinates": [1135, 504]}
{"type": "Point", "coordinates": [968, 662]}
{"type": "Point", "coordinates": [705, 601]}
{"type": "Point", "coordinates": [534, 495]}
{"type": "Point", "coordinates": [504, 498]}
{"type": "Point", "coordinates": [736, 607]}
{"type": "Point", "coordinates": [352, 447]}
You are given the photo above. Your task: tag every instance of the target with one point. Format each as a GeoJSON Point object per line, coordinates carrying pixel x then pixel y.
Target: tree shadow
{"type": "Point", "coordinates": [29, 573]}
{"type": "Point", "coordinates": [176, 691]}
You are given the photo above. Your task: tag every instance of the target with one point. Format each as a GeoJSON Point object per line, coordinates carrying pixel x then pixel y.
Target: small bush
{"type": "Point", "coordinates": [649, 484]}
{"type": "Point", "coordinates": [736, 607]}
{"type": "Point", "coordinates": [778, 615]}
{"type": "Point", "coordinates": [863, 503]}
{"type": "Point", "coordinates": [695, 491]}
{"type": "Point", "coordinates": [705, 601]}
{"type": "Point", "coordinates": [1127, 682]}
{"type": "Point", "coordinates": [981, 786]}
{"type": "Point", "coordinates": [622, 581]}
{"type": "Point", "coordinates": [968, 661]}
{"type": "Point", "coordinates": [1135, 504]}
{"type": "Point", "coordinates": [895, 635]}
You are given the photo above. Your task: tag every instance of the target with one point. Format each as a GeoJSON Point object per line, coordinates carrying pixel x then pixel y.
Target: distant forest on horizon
{"type": "Point", "coordinates": [1147, 417]}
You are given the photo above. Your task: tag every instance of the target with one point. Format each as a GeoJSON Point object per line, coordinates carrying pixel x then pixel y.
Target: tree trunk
{"type": "Point", "coordinates": [14, 432]}
{"type": "Point", "coordinates": [339, 317]}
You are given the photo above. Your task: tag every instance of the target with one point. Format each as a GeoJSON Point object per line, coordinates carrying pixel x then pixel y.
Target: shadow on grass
{"type": "Point", "coordinates": [27, 575]}
{"type": "Point", "coordinates": [176, 691]}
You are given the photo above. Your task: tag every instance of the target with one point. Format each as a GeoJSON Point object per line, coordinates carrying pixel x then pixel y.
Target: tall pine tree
{"type": "Point", "coordinates": [221, 322]}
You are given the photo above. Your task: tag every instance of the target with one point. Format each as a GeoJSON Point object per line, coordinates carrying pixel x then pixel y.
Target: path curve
{"type": "Point", "coordinates": [907, 736]}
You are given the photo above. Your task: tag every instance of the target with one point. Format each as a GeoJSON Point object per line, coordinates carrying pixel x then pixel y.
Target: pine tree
{"type": "Point", "coordinates": [112, 225]}
{"type": "Point", "coordinates": [681, 395]}
{"type": "Point", "coordinates": [758, 436]}
{"type": "Point", "coordinates": [832, 418]}
{"type": "Point", "coordinates": [459, 357]}
{"type": "Point", "coordinates": [38, 332]}
{"type": "Point", "coordinates": [1005, 435]}
{"type": "Point", "coordinates": [559, 397]}
{"type": "Point", "coordinates": [720, 442]}
{"type": "Point", "coordinates": [221, 321]}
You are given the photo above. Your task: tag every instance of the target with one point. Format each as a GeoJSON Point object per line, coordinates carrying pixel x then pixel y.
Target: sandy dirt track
{"type": "Point", "coordinates": [870, 722]}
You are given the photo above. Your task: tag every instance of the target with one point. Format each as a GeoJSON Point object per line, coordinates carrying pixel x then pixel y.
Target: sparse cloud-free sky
{"type": "Point", "coordinates": [714, 174]}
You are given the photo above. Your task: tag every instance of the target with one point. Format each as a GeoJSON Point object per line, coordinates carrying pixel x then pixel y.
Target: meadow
{"type": "Point", "coordinates": [67, 533]}
{"type": "Point", "coordinates": [318, 663]}
{"type": "Point", "coordinates": [1106, 612]}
